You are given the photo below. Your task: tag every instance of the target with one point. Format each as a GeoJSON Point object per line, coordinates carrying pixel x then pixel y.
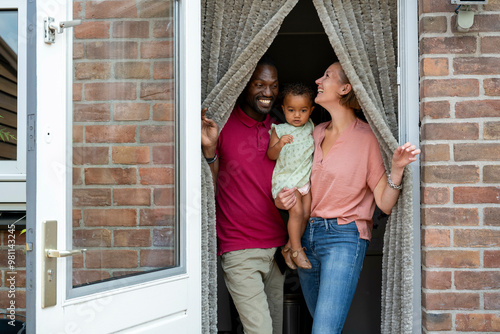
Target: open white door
{"type": "Point", "coordinates": [116, 168]}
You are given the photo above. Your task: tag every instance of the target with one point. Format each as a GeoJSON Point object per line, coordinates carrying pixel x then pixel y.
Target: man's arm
{"type": "Point", "coordinates": [209, 137]}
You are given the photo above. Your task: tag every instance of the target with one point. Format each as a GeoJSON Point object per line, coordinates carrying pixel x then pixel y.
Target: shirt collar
{"type": "Point", "coordinates": [249, 121]}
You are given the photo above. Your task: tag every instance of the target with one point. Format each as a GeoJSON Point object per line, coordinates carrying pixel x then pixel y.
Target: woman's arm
{"type": "Point", "coordinates": [386, 196]}
{"type": "Point", "coordinates": [276, 144]}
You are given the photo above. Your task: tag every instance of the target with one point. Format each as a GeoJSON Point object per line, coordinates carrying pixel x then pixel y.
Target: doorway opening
{"type": "Point", "coordinates": [302, 52]}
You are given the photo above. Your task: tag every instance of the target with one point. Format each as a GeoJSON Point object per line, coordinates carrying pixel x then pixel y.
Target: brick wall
{"type": "Point", "coordinates": [123, 142]}
{"type": "Point", "coordinates": [460, 132]}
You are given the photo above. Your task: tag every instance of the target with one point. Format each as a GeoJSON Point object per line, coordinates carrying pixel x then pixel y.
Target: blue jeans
{"type": "Point", "coordinates": [336, 253]}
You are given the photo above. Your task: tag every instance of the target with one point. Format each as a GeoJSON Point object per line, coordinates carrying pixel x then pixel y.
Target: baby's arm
{"type": "Point", "coordinates": [276, 144]}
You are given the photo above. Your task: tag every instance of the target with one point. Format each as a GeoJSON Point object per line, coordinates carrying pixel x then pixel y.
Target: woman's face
{"type": "Point", "coordinates": [330, 86]}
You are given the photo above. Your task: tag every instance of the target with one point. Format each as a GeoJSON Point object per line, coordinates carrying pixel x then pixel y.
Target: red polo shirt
{"type": "Point", "coordinates": [246, 214]}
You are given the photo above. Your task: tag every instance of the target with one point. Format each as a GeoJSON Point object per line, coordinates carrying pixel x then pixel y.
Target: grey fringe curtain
{"type": "Point", "coordinates": [363, 36]}
{"type": "Point", "coordinates": [235, 35]}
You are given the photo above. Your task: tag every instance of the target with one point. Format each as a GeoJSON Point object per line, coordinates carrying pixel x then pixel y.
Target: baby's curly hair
{"type": "Point", "coordinates": [297, 89]}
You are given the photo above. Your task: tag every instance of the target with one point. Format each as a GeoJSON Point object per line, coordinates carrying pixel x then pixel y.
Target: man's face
{"type": "Point", "coordinates": [262, 89]}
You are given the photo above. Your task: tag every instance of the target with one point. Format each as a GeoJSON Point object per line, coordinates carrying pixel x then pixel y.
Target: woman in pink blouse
{"type": "Point", "coordinates": [348, 179]}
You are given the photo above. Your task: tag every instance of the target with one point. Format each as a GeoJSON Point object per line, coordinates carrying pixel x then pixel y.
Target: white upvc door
{"type": "Point", "coordinates": [117, 168]}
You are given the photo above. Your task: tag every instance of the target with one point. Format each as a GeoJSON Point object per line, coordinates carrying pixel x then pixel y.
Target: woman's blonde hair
{"type": "Point", "coordinates": [348, 100]}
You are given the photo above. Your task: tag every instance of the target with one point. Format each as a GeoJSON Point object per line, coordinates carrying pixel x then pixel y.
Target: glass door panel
{"type": "Point", "coordinates": [124, 193]}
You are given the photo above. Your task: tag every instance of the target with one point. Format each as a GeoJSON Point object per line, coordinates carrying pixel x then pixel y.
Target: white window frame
{"type": "Point", "coordinates": [13, 173]}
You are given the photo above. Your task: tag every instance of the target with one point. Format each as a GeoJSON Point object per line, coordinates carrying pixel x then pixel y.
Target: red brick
{"type": "Point", "coordinates": [77, 134]}
{"type": "Point", "coordinates": [482, 280]}
{"type": "Point", "coordinates": [450, 174]}
{"type": "Point", "coordinates": [477, 322]}
{"type": "Point", "coordinates": [153, 8]}
{"type": "Point", "coordinates": [433, 24]}
{"type": "Point", "coordinates": [476, 238]}
{"type": "Point", "coordinates": [91, 197]}
{"type": "Point", "coordinates": [130, 155]}
{"type": "Point", "coordinates": [487, 108]}
{"type": "Point", "coordinates": [450, 87]}
{"type": "Point", "coordinates": [476, 152]}
{"type": "Point", "coordinates": [451, 259]}
{"type": "Point", "coordinates": [157, 217]}
{"type": "Point", "coordinates": [476, 65]}
{"type": "Point", "coordinates": [112, 50]}
{"type": "Point", "coordinates": [19, 276]}
{"type": "Point", "coordinates": [450, 301]}
{"type": "Point", "coordinates": [92, 29]}
{"type": "Point", "coordinates": [157, 258]}
{"type": "Point", "coordinates": [436, 280]}
{"type": "Point", "coordinates": [77, 176]}
{"type": "Point", "coordinates": [131, 29]}
{"type": "Point", "coordinates": [125, 273]}
{"type": "Point", "coordinates": [110, 133]}
{"type": "Point", "coordinates": [163, 70]}
{"type": "Point", "coordinates": [156, 175]}
{"type": "Point", "coordinates": [437, 7]}
{"type": "Point", "coordinates": [156, 134]}
{"type": "Point", "coordinates": [490, 44]}
{"type": "Point", "coordinates": [163, 29]}
{"type": "Point", "coordinates": [450, 217]}
{"type": "Point", "coordinates": [493, 6]}
{"type": "Point", "coordinates": [103, 91]}
{"type": "Point", "coordinates": [492, 130]}
{"type": "Point", "coordinates": [131, 112]}
{"type": "Point", "coordinates": [77, 8]}
{"type": "Point", "coordinates": [435, 109]}
{"type": "Point", "coordinates": [492, 86]}
{"type": "Point", "coordinates": [132, 196]}
{"type": "Point", "coordinates": [92, 238]}
{"type": "Point", "coordinates": [491, 216]}
{"type": "Point", "coordinates": [77, 91]}
{"type": "Point", "coordinates": [492, 301]}
{"type": "Point", "coordinates": [132, 70]}
{"type": "Point", "coordinates": [450, 131]}
{"type": "Point", "coordinates": [164, 196]}
{"type": "Point", "coordinates": [96, 112]}
{"type": "Point", "coordinates": [434, 67]}
{"type": "Point", "coordinates": [437, 321]}
{"type": "Point", "coordinates": [164, 237]}
{"type": "Point", "coordinates": [157, 91]}
{"type": "Point", "coordinates": [492, 259]}
{"type": "Point", "coordinates": [157, 50]}
{"type": "Point", "coordinates": [77, 261]}
{"type": "Point", "coordinates": [132, 238]}
{"type": "Point", "coordinates": [19, 297]}
{"type": "Point", "coordinates": [448, 45]}
{"type": "Point", "coordinates": [111, 9]}
{"type": "Point", "coordinates": [110, 217]}
{"type": "Point", "coordinates": [78, 50]}
{"type": "Point", "coordinates": [77, 217]}
{"type": "Point", "coordinates": [19, 255]}
{"type": "Point", "coordinates": [163, 155]}
{"type": "Point", "coordinates": [92, 71]}
{"type": "Point", "coordinates": [482, 23]}
{"type": "Point", "coordinates": [110, 176]}
{"type": "Point", "coordinates": [431, 195]}
{"type": "Point", "coordinates": [471, 195]}
{"type": "Point", "coordinates": [82, 277]}
{"type": "Point", "coordinates": [111, 258]}
{"type": "Point", "coordinates": [438, 152]}
{"type": "Point", "coordinates": [90, 155]}
{"type": "Point", "coordinates": [435, 238]}
{"type": "Point", "coordinates": [163, 111]}
{"type": "Point", "coordinates": [491, 174]}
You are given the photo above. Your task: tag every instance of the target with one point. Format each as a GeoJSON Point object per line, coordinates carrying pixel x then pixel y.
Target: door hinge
{"type": "Point", "coordinates": [31, 132]}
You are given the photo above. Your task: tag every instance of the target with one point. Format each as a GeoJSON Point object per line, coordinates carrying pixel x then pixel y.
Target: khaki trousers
{"type": "Point", "coordinates": [256, 286]}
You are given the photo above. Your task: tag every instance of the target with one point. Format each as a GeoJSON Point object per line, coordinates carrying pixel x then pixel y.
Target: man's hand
{"type": "Point", "coordinates": [286, 199]}
{"type": "Point", "coordinates": [209, 135]}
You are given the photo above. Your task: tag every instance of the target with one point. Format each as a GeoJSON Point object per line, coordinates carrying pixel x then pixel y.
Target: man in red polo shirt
{"type": "Point", "coordinates": [249, 226]}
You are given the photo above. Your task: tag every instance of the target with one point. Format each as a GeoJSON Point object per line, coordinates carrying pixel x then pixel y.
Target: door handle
{"type": "Point", "coordinates": [51, 27]}
{"type": "Point", "coordinates": [64, 253]}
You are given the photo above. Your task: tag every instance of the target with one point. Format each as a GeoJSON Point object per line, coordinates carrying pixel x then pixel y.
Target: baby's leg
{"type": "Point", "coordinates": [306, 204]}
{"type": "Point", "coordinates": [296, 222]}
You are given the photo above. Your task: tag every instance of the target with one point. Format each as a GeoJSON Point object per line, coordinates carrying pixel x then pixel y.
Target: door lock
{"type": "Point", "coordinates": [51, 27]}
